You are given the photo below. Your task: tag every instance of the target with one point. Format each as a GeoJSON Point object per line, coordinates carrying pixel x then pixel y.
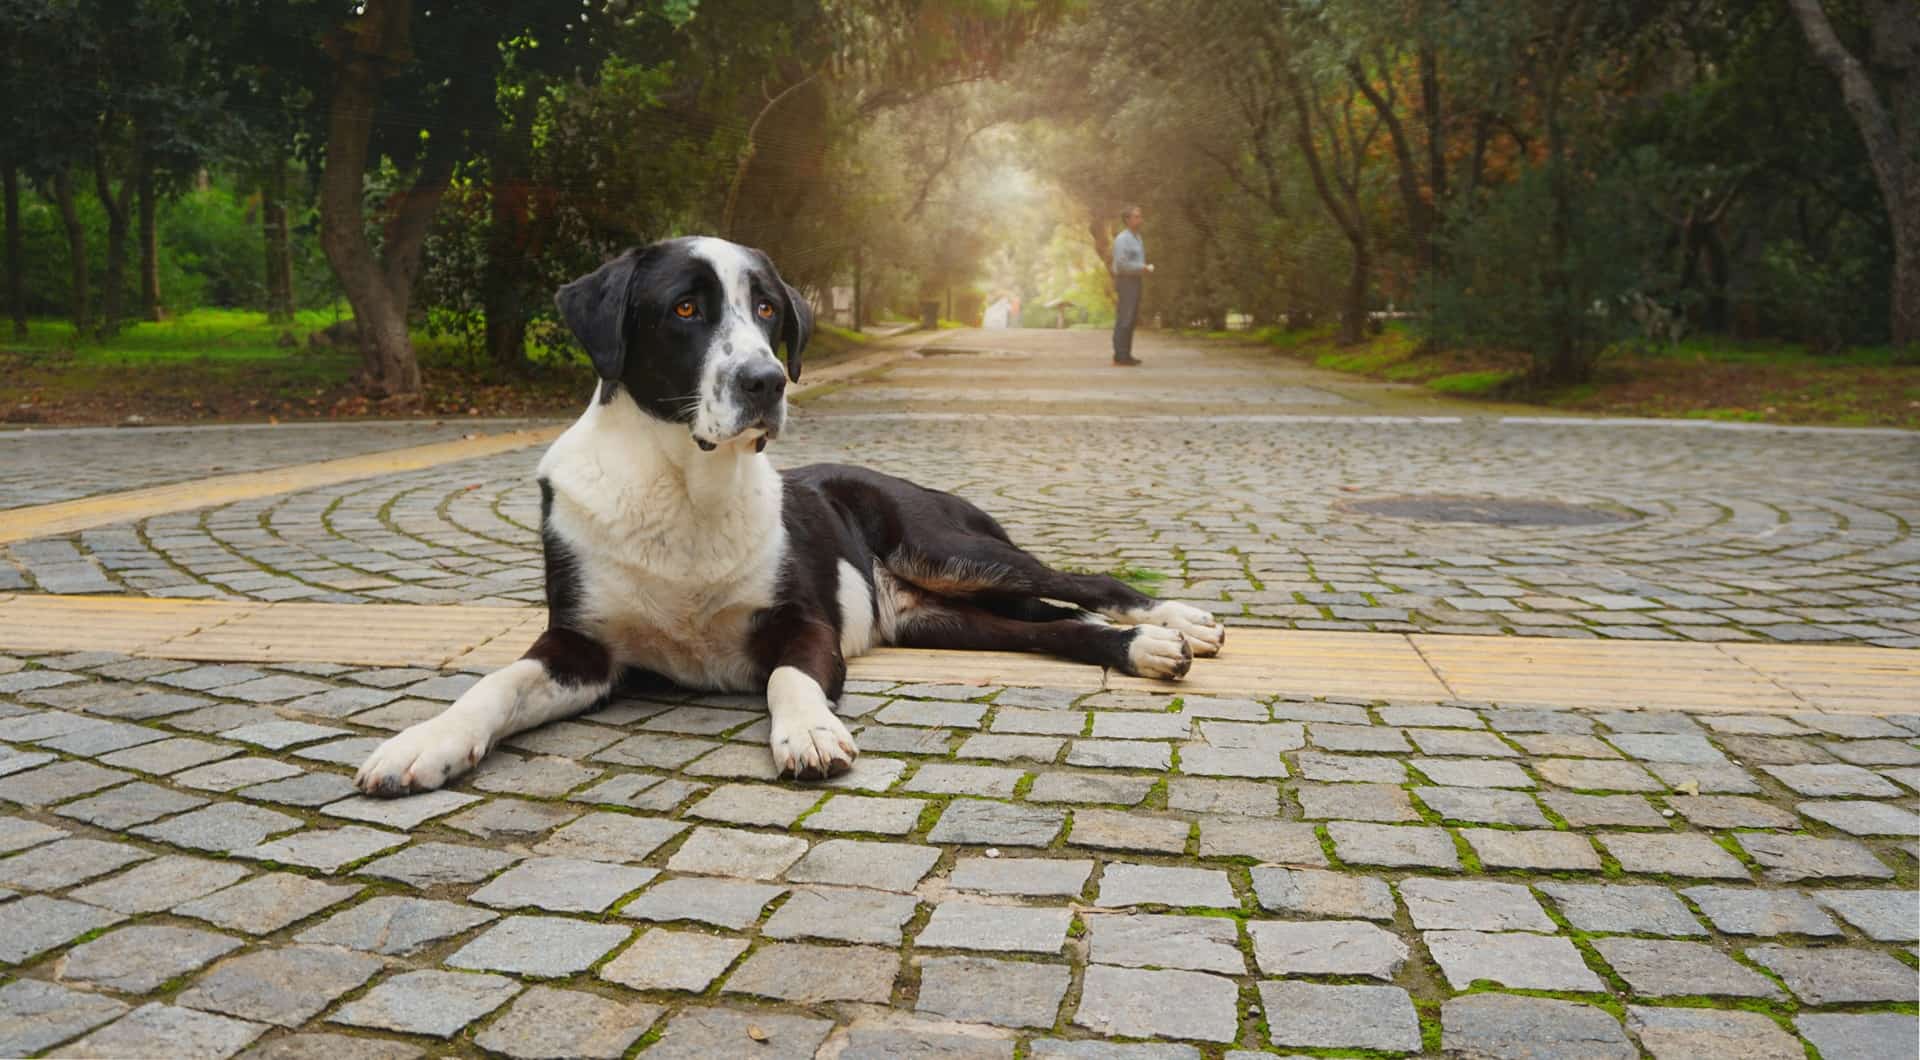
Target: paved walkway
{"type": "Point", "coordinates": [1331, 840]}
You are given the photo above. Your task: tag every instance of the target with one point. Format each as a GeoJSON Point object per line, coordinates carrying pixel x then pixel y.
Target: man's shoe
{"type": "Point", "coordinates": [1127, 362]}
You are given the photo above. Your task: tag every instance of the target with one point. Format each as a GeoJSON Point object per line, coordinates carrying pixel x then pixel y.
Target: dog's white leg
{"type": "Point", "coordinates": [807, 738]}
{"type": "Point", "coordinates": [1204, 633]}
{"type": "Point", "coordinates": [427, 755]}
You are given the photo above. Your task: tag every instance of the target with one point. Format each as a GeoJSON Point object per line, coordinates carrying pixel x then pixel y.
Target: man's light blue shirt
{"type": "Point", "coordinates": [1129, 255]}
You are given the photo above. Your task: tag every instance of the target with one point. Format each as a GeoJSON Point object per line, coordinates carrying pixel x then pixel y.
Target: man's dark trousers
{"type": "Point", "coordinates": [1125, 313]}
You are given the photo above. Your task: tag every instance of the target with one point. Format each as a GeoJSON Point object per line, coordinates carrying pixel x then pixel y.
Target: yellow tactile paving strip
{"type": "Point", "coordinates": [1741, 678]}
{"type": "Point", "coordinates": [65, 517]}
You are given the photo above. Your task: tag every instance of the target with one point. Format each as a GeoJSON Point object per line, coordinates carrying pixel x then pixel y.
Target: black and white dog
{"type": "Point", "coordinates": [674, 547]}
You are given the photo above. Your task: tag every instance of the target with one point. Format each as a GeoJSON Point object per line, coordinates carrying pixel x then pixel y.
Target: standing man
{"type": "Point", "coordinates": [1129, 268]}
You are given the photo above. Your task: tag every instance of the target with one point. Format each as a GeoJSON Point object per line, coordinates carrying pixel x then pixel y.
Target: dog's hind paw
{"type": "Point", "coordinates": [1156, 651]}
{"type": "Point", "coordinates": [421, 758]}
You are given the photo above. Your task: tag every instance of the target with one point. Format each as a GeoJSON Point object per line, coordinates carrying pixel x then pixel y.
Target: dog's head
{"type": "Point", "coordinates": [687, 329]}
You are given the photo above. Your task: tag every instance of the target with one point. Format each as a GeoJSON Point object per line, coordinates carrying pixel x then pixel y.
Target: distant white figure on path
{"type": "Point", "coordinates": [999, 314]}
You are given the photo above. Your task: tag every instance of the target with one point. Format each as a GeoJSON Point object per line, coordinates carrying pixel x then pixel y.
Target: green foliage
{"type": "Point", "coordinates": [1471, 383]}
{"type": "Point", "coordinates": [1809, 299]}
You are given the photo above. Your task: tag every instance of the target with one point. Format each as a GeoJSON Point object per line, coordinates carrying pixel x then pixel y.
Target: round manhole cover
{"type": "Point", "coordinates": [1490, 511]}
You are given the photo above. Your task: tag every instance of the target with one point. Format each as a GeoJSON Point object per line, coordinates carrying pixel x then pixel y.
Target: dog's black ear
{"type": "Point", "coordinates": [595, 309]}
{"type": "Point", "coordinates": [796, 327]}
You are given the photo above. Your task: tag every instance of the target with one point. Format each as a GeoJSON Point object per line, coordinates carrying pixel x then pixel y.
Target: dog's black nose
{"type": "Point", "coordinates": [761, 384]}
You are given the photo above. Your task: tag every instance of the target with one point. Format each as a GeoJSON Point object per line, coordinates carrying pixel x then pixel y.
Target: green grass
{"type": "Point", "coordinates": [1471, 383]}
{"type": "Point", "coordinates": [841, 334]}
{"type": "Point", "coordinates": [218, 334]}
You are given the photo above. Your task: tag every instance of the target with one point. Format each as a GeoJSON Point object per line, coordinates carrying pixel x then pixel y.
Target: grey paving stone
{"type": "Point", "coordinates": [1281, 842]}
{"type": "Point", "coordinates": [905, 740]}
{"type": "Point", "coordinates": [1202, 760]}
{"type": "Point", "coordinates": [1315, 765]}
{"type": "Point", "coordinates": [344, 702]}
{"type": "Point", "coordinates": [673, 960]}
{"type": "Point", "coordinates": [1860, 817]}
{"type": "Point", "coordinates": [1663, 968]}
{"type": "Point", "coordinates": [160, 884]}
{"type": "Point", "coordinates": [808, 974]}
{"type": "Point", "coordinates": [1240, 798]}
{"type": "Point", "coordinates": [513, 819]}
{"type": "Point", "coordinates": [1839, 975]}
{"type": "Point", "coordinates": [166, 1030]}
{"type": "Point", "coordinates": [433, 864]}
{"type": "Point", "coordinates": [1730, 811]}
{"type": "Point", "coordinates": [545, 946]}
{"type": "Point", "coordinates": [281, 733]}
{"type": "Point", "coordinates": [1622, 908]}
{"type": "Point", "coordinates": [1140, 940]}
{"type": "Point", "coordinates": [1037, 698]}
{"type": "Point", "coordinates": [277, 688]}
{"type": "Point", "coordinates": [394, 925]}
{"type": "Point", "coordinates": [1563, 745]}
{"type": "Point", "coordinates": [954, 779]}
{"type": "Point", "coordinates": [754, 804]}
{"type": "Point", "coordinates": [1465, 744]}
{"type": "Point", "coordinates": [932, 714]}
{"type": "Point", "coordinates": [1714, 780]}
{"type": "Point", "coordinates": [1514, 720]}
{"type": "Point", "coordinates": [1024, 876]}
{"type": "Point", "coordinates": [166, 757]}
{"type": "Point", "coordinates": [100, 737]}
{"type": "Point", "coordinates": [59, 865]}
{"type": "Point", "coordinates": [1325, 947]}
{"type": "Point", "coordinates": [267, 903]}
{"type": "Point", "coordinates": [1832, 780]}
{"type": "Point", "coordinates": [1754, 911]}
{"type": "Point", "coordinates": [410, 812]}
{"type": "Point", "coordinates": [433, 1003]}
{"type": "Point", "coordinates": [1120, 754]}
{"type": "Point", "coordinates": [981, 990]}
{"type": "Point", "coordinates": [35, 1015]}
{"type": "Point", "coordinates": [1317, 893]}
{"type": "Point", "coordinates": [1135, 725]}
{"type": "Point", "coordinates": [1484, 806]}
{"type": "Point", "coordinates": [562, 885]}
{"type": "Point", "coordinates": [1788, 858]}
{"type": "Point", "coordinates": [13, 761]}
{"type": "Point", "coordinates": [285, 986]}
{"type": "Point", "coordinates": [1604, 811]}
{"type": "Point", "coordinates": [1355, 802]}
{"type": "Point", "coordinates": [1329, 737]}
{"type": "Point", "coordinates": [308, 789]}
{"type": "Point", "coordinates": [1477, 906]}
{"type": "Point", "coordinates": [37, 923]}
{"type": "Point", "coordinates": [1137, 1003]}
{"type": "Point", "coordinates": [1578, 774]}
{"type": "Point", "coordinates": [541, 776]}
{"type": "Point", "coordinates": [1124, 884]}
{"type": "Point", "coordinates": [551, 1024]}
{"type": "Point", "coordinates": [1689, 748]}
{"type": "Point", "coordinates": [58, 782]}
{"type": "Point", "coordinates": [841, 914]}
{"type": "Point", "coordinates": [1340, 1017]}
{"type": "Point", "coordinates": [137, 959]}
{"type": "Point", "coordinates": [327, 849]}
{"type": "Point", "coordinates": [1673, 854]}
{"type": "Point", "coordinates": [1431, 717]}
{"type": "Point", "coordinates": [998, 747]}
{"type": "Point", "coordinates": [1116, 830]}
{"type": "Point", "coordinates": [730, 904]}
{"type": "Point", "coordinates": [662, 752]}
{"type": "Point", "coordinates": [18, 833]}
{"type": "Point", "coordinates": [1055, 722]}
{"type": "Point", "coordinates": [1112, 789]}
{"type": "Point", "coordinates": [1473, 773]}
{"type": "Point", "coordinates": [704, 1033]}
{"type": "Point", "coordinates": [1093, 1049]}
{"type": "Point", "coordinates": [960, 923]}
{"type": "Point", "coordinates": [1393, 846]}
{"type": "Point", "coordinates": [978, 822]}
{"type": "Point", "coordinates": [234, 773]}
{"type": "Point", "coordinates": [1684, 1034]}
{"type": "Point", "coordinates": [852, 863]}
{"type": "Point", "coordinates": [1885, 916]}
{"type": "Point", "coordinates": [1866, 1036]}
{"type": "Point", "coordinates": [1533, 851]}
{"type": "Point", "coordinates": [1512, 959]}
{"type": "Point", "coordinates": [636, 791]}
{"type": "Point", "coordinates": [349, 752]}
{"type": "Point", "coordinates": [613, 837]}
{"type": "Point", "coordinates": [729, 852]}
{"type": "Point", "coordinates": [223, 826]}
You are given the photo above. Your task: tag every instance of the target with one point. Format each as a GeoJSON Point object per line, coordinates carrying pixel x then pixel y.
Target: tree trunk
{"type": "Point", "coordinates": [364, 55]}
{"type": "Point", "coordinates": [113, 297]}
{"type": "Point", "coordinates": [1884, 125]}
{"type": "Point", "coordinates": [16, 293]}
{"type": "Point", "coordinates": [504, 283]}
{"type": "Point", "coordinates": [273, 225]}
{"type": "Point", "coordinates": [859, 304]}
{"type": "Point", "coordinates": [1353, 313]}
{"type": "Point", "coordinates": [76, 251]}
{"type": "Point", "coordinates": [149, 245]}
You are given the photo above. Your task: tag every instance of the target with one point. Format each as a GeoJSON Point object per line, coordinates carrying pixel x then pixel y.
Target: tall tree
{"type": "Point", "coordinates": [1890, 126]}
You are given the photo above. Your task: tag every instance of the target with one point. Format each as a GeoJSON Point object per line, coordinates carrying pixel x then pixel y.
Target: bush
{"type": "Point", "coordinates": [1812, 301]}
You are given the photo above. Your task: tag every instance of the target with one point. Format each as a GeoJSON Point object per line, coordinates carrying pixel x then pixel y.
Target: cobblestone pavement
{"type": "Point", "coordinates": [1045, 872]}
{"type": "Point", "coordinates": [1234, 482]}
{"type": "Point", "coordinates": [44, 466]}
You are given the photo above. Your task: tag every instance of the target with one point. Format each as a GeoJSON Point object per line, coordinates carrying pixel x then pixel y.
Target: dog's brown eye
{"type": "Point", "coordinates": [765, 309]}
{"type": "Point", "coordinates": [685, 309]}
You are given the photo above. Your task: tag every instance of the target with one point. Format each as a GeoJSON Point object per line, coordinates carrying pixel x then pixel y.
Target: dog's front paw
{"type": "Point", "coordinates": [1204, 633]}
{"type": "Point", "coordinates": [421, 758]}
{"type": "Point", "coordinates": [1156, 651]}
{"type": "Point", "coordinates": [812, 747]}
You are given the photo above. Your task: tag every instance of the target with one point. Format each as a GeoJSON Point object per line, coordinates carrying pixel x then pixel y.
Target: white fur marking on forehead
{"type": "Point", "coordinates": [732, 262]}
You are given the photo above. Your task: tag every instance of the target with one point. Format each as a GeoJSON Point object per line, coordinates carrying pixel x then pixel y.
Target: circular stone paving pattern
{"type": "Point", "coordinates": [1491, 511]}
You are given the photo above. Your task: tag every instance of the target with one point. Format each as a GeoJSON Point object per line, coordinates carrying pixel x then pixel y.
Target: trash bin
{"type": "Point", "coordinates": [930, 316]}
